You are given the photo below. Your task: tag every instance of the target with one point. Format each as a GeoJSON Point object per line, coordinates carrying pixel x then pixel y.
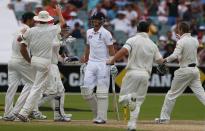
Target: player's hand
{"type": "Point", "coordinates": [164, 61]}
{"type": "Point", "coordinates": [58, 9]}
{"type": "Point", "coordinates": [109, 62]}
{"type": "Point", "coordinates": [83, 59]}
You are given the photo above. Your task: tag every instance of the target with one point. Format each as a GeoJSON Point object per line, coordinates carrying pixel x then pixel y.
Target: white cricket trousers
{"type": "Point", "coordinates": [55, 85]}
{"type": "Point", "coordinates": [135, 81]}
{"type": "Point", "coordinates": [183, 77]}
{"type": "Point", "coordinates": [97, 74]}
{"type": "Point", "coordinates": [54, 89]}
{"type": "Point", "coordinates": [41, 66]}
{"type": "Point", "coordinates": [18, 69]}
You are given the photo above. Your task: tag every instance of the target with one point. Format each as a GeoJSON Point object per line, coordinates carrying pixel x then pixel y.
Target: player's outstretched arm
{"type": "Point", "coordinates": [122, 52]}
{"type": "Point", "coordinates": [177, 52]}
{"type": "Point", "coordinates": [59, 13]}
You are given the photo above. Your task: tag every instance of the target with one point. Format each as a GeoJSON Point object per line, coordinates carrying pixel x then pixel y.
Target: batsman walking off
{"type": "Point", "coordinates": [187, 75]}
{"type": "Point", "coordinates": [98, 50]}
{"type": "Point", "coordinates": [142, 53]}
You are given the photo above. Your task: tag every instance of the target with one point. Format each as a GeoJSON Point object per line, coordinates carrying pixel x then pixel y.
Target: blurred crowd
{"type": "Point", "coordinates": [123, 16]}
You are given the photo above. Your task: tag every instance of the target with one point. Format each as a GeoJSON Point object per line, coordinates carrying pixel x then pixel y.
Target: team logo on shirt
{"type": "Point", "coordinates": [90, 37]}
{"type": "Point", "coordinates": [110, 39]}
{"type": "Point", "coordinates": [100, 36]}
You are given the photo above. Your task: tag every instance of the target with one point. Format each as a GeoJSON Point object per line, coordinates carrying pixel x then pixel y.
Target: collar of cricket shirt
{"type": "Point", "coordinates": [185, 34]}
{"type": "Point", "coordinates": [99, 31]}
{"type": "Point", "coordinates": [43, 25]}
{"type": "Point", "coordinates": [143, 34]}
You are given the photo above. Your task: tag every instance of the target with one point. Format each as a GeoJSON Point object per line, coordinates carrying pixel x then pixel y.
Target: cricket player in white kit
{"type": "Point", "coordinates": [39, 40]}
{"type": "Point", "coordinates": [99, 48]}
{"type": "Point", "coordinates": [55, 91]}
{"type": "Point", "coordinates": [187, 75]}
{"type": "Point", "coordinates": [142, 52]}
{"type": "Point", "coordinates": [18, 70]}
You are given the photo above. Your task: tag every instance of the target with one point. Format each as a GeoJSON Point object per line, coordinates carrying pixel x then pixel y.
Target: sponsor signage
{"type": "Point", "coordinates": [71, 78]}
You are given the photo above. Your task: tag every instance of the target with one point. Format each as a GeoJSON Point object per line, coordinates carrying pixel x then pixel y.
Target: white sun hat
{"type": "Point", "coordinates": [43, 16]}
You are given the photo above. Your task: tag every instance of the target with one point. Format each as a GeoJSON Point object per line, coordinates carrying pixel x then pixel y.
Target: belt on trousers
{"type": "Point", "coordinates": [192, 65]}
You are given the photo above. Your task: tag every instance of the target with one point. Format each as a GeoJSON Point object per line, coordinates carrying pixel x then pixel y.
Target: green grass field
{"type": "Point", "coordinates": [187, 108]}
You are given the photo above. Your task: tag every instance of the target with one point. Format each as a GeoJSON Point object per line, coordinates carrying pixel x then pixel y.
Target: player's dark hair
{"type": "Point", "coordinates": [184, 27]}
{"type": "Point", "coordinates": [98, 16]}
{"type": "Point", "coordinates": [143, 26]}
{"type": "Point", "coordinates": [27, 16]}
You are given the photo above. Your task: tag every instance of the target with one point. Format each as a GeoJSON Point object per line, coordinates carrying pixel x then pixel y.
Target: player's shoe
{"type": "Point", "coordinates": [131, 126]}
{"type": "Point", "coordinates": [1, 117]}
{"type": "Point", "coordinates": [161, 121]}
{"type": "Point", "coordinates": [132, 101]}
{"type": "Point", "coordinates": [22, 118]}
{"type": "Point", "coordinates": [37, 115]}
{"type": "Point", "coordinates": [68, 115]}
{"type": "Point", "coordinates": [62, 119]}
{"type": "Point", "coordinates": [99, 121]}
{"type": "Point", "coordinates": [9, 118]}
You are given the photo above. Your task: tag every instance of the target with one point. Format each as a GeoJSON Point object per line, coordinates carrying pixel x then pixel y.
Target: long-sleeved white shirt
{"type": "Point", "coordinates": [185, 51]}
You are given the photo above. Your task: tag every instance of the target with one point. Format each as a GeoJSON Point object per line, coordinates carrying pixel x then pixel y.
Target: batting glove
{"type": "Point", "coordinates": [113, 70]}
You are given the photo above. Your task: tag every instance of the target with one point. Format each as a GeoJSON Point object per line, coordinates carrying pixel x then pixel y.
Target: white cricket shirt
{"type": "Point", "coordinates": [98, 42]}
{"type": "Point", "coordinates": [40, 38]}
{"type": "Point", "coordinates": [142, 53]}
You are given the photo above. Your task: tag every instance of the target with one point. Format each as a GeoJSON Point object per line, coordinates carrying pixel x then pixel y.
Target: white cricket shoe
{"type": "Point", "coordinates": [62, 119]}
{"type": "Point", "coordinates": [1, 117]}
{"type": "Point", "coordinates": [68, 115]}
{"type": "Point", "coordinates": [131, 126]}
{"type": "Point", "coordinates": [37, 115]}
{"type": "Point", "coordinates": [161, 121]}
{"type": "Point", "coordinates": [9, 118]}
{"type": "Point", "coordinates": [99, 121]}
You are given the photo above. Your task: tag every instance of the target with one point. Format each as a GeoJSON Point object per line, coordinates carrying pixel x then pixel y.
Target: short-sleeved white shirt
{"type": "Point", "coordinates": [98, 42]}
{"type": "Point", "coordinates": [40, 38]}
{"type": "Point", "coordinates": [142, 53]}
{"type": "Point", "coordinates": [16, 45]}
